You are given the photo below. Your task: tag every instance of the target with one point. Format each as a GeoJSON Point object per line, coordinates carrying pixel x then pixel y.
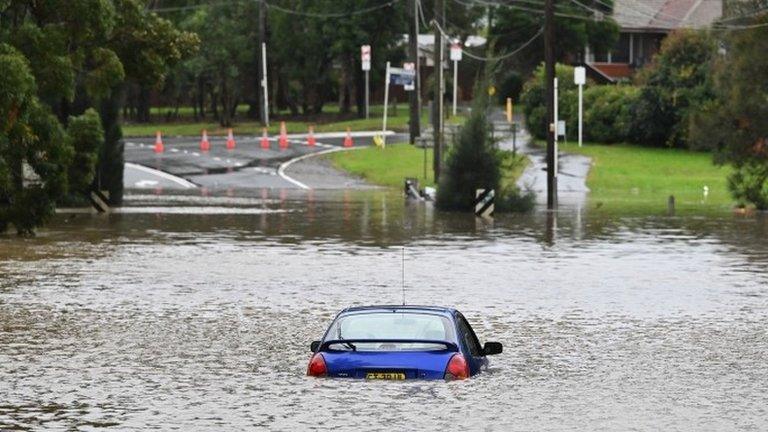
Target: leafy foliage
{"type": "Point", "coordinates": [575, 29]}
{"type": "Point", "coordinates": [534, 99]}
{"type": "Point", "coordinates": [473, 162]}
{"type": "Point", "coordinates": [674, 85]}
{"type": "Point", "coordinates": [735, 124]}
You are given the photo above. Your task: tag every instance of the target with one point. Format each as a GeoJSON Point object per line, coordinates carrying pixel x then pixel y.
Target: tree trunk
{"type": "Point", "coordinates": [111, 160]}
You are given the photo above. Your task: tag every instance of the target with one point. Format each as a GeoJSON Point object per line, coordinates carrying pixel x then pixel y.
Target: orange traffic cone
{"type": "Point", "coordinates": [264, 139]}
{"type": "Point", "coordinates": [283, 136]}
{"type": "Point", "coordinates": [159, 147]}
{"type": "Point", "coordinates": [230, 140]}
{"type": "Point", "coordinates": [311, 137]}
{"type": "Point", "coordinates": [205, 145]}
{"type": "Point", "coordinates": [348, 139]}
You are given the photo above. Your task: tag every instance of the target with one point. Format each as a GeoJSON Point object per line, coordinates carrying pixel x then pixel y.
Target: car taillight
{"type": "Point", "coordinates": [317, 366]}
{"type": "Point", "coordinates": [457, 368]}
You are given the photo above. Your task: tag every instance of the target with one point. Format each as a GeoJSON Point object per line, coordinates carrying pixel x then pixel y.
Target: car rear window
{"type": "Point", "coordinates": [392, 325]}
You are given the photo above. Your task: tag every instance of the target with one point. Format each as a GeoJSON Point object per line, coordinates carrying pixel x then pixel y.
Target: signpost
{"type": "Point", "coordinates": [455, 58]}
{"type": "Point", "coordinates": [264, 82]}
{"type": "Point", "coordinates": [365, 61]}
{"type": "Point", "coordinates": [410, 66]}
{"type": "Point", "coordinates": [405, 77]}
{"type": "Point", "coordinates": [580, 78]}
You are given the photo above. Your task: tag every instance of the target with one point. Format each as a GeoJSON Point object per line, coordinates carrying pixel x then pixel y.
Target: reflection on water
{"type": "Point", "coordinates": [202, 321]}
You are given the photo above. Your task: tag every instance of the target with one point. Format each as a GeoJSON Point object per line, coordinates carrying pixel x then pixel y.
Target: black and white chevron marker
{"type": "Point", "coordinates": [99, 200]}
{"type": "Point", "coordinates": [484, 199]}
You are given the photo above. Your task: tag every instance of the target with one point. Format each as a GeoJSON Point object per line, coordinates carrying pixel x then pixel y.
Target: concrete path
{"type": "Point", "coordinates": [572, 168]}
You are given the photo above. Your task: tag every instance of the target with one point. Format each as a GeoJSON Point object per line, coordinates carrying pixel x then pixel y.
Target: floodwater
{"type": "Point", "coordinates": [173, 317]}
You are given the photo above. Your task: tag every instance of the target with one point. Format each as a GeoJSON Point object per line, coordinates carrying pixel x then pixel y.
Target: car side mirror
{"type": "Point", "coordinates": [491, 348]}
{"type": "Point", "coordinates": [314, 346]}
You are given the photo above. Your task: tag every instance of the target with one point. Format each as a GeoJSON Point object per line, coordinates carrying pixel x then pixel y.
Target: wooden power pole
{"type": "Point", "coordinates": [437, 104]}
{"type": "Point", "coordinates": [549, 59]}
{"type": "Point", "coordinates": [414, 126]}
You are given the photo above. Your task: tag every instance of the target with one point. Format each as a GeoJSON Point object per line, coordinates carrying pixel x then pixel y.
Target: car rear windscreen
{"type": "Point", "coordinates": [392, 325]}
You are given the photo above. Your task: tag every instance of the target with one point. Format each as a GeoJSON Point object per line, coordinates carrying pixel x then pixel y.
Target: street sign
{"type": "Point", "coordinates": [365, 57]}
{"type": "Point", "coordinates": [402, 76]}
{"type": "Point", "coordinates": [579, 75]}
{"type": "Point", "coordinates": [410, 66]}
{"type": "Point", "coordinates": [456, 51]}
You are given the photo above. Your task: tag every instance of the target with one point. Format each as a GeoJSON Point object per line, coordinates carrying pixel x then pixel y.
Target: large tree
{"type": "Point", "coordinates": [735, 125]}
{"type": "Point", "coordinates": [577, 23]}
{"type": "Point", "coordinates": [69, 60]}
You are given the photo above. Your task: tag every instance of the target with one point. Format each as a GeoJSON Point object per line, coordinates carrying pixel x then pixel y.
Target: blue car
{"type": "Point", "coordinates": [400, 343]}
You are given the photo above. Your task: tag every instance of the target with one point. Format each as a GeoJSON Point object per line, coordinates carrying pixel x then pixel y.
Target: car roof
{"type": "Point", "coordinates": [395, 308]}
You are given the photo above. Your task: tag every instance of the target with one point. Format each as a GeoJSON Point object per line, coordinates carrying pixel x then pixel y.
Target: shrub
{"type": "Point", "coordinates": [534, 99]}
{"type": "Point", "coordinates": [675, 84]}
{"type": "Point", "coordinates": [608, 113]}
{"type": "Point", "coordinates": [749, 184]}
{"type": "Point", "coordinates": [473, 162]}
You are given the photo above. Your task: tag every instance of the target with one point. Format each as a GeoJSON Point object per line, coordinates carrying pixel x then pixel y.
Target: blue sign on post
{"type": "Point", "coordinates": [403, 77]}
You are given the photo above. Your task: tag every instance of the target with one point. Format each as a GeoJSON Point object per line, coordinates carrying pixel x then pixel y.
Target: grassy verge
{"type": "Point", "coordinates": [626, 177]}
{"type": "Point", "coordinates": [330, 121]}
{"type": "Point", "coordinates": [388, 166]}
{"type": "Point", "coordinates": [391, 165]}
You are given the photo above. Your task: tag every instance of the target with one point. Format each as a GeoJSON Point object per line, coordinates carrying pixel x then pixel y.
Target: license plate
{"type": "Point", "coordinates": [397, 376]}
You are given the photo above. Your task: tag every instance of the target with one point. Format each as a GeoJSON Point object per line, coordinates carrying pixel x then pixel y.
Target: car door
{"type": "Point", "coordinates": [477, 360]}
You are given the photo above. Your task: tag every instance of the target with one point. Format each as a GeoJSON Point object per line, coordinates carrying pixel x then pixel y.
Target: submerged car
{"type": "Point", "coordinates": [400, 343]}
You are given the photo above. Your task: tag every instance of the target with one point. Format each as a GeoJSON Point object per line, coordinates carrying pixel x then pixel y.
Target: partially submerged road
{"type": "Point", "coordinates": [248, 166]}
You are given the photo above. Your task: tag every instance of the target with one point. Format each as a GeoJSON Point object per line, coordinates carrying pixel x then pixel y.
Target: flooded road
{"type": "Point", "coordinates": [166, 318]}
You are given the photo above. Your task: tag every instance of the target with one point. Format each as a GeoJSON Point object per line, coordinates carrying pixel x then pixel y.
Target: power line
{"type": "Point", "coordinates": [331, 14]}
{"type": "Point", "coordinates": [501, 57]}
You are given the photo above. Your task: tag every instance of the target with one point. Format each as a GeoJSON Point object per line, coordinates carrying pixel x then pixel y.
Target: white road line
{"type": "Point", "coordinates": [285, 165]}
{"type": "Point", "coordinates": [162, 174]}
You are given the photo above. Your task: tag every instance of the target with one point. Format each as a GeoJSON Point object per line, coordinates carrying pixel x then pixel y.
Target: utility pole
{"type": "Point", "coordinates": [438, 89]}
{"type": "Point", "coordinates": [549, 59]}
{"type": "Point", "coordinates": [414, 126]}
{"type": "Point", "coordinates": [260, 88]}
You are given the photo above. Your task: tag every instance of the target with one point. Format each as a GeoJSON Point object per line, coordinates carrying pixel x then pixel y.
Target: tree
{"type": "Point", "coordinates": [675, 84]}
{"type": "Point", "coordinates": [473, 161]}
{"type": "Point", "coordinates": [577, 24]}
{"type": "Point", "coordinates": [735, 124]}
{"type": "Point", "coordinates": [34, 154]}
{"type": "Point", "coordinates": [68, 60]}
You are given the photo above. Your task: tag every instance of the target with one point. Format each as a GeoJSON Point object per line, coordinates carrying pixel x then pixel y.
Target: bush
{"type": "Point", "coordinates": [749, 184]}
{"type": "Point", "coordinates": [534, 99]}
{"type": "Point", "coordinates": [473, 162]}
{"type": "Point", "coordinates": [673, 87]}
{"type": "Point", "coordinates": [608, 113]}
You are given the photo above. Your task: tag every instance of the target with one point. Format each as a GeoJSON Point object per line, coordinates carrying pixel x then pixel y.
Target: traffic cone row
{"type": "Point", "coordinates": [205, 144]}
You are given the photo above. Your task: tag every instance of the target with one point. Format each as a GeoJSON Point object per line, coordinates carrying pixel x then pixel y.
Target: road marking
{"type": "Point", "coordinates": [178, 180]}
{"type": "Point", "coordinates": [285, 165]}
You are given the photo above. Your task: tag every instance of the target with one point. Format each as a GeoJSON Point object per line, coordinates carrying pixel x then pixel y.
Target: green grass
{"type": "Point", "coordinates": [328, 122]}
{"type": "Point", "coordinates": [626, 177]}
{"type": "Point", "coordinates": [388, 166]}
{"type": "Point", "coordinates": [391, 165]}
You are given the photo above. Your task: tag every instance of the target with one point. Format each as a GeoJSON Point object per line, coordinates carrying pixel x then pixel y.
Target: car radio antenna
{"type": "Point", "coordinates": [403, 274]}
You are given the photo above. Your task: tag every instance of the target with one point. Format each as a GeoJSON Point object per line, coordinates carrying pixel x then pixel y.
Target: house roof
{"type": "Point", "coordinates": [665, 15]}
